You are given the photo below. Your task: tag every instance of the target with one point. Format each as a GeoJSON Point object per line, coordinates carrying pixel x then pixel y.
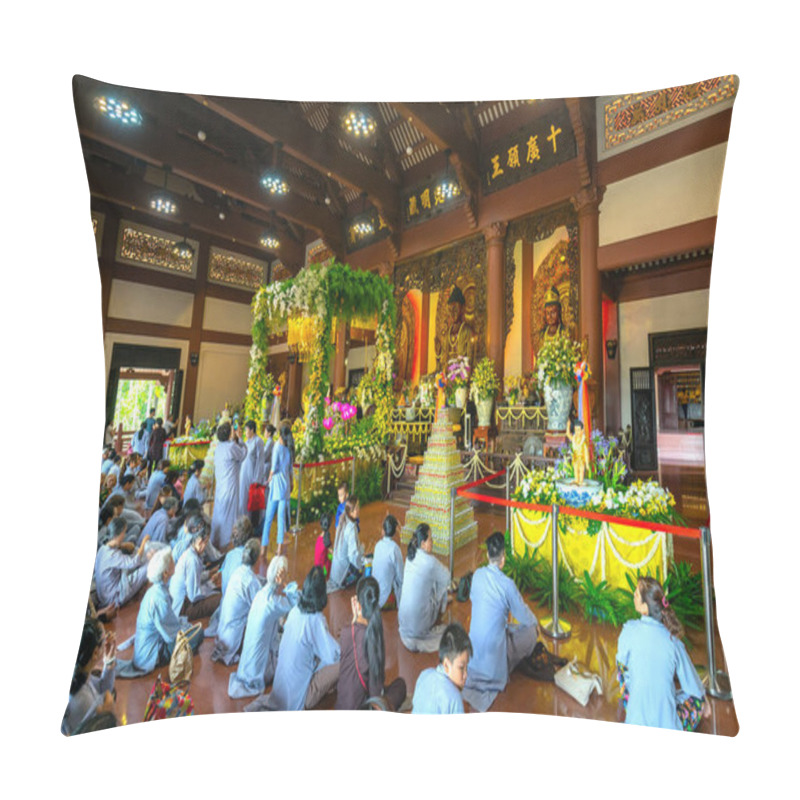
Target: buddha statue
{"type": "Point", "coordinates": [459, 337]}
{"type": "Point", "coordinates": [553, 323]}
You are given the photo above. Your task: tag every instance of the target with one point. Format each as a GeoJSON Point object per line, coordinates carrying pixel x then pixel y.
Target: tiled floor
{"type": "Point", "coordinates": [594, 644]}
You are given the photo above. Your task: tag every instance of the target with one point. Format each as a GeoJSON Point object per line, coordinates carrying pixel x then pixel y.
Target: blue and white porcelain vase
{"type": "Point", "coordinates": [558, 400]}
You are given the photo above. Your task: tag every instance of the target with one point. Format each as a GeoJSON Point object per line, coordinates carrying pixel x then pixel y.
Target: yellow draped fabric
{"type": "Point", "coordinates": [185, 455]}
{"type": "Point", "coordinates": [615, 550]}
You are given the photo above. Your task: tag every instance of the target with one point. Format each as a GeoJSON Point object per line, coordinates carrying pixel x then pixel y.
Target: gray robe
{"type": "Point", "coordinates": [239, 595]}
{"type": "Point", "coordinates": [252, 470]}
{"type": "Point", "coordinates": [227, 462]}
{"type": "Point", "coordinates": [425, 583]}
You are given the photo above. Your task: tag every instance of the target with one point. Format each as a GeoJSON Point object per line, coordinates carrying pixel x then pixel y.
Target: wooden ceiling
{"type": "Point", "coordinates": [210, 152]}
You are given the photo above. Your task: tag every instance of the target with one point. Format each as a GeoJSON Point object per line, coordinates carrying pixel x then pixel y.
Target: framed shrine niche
{"type": "Point", "coordinates": [555, 267]}
{"type": "Point", "coordinates": [462, 266]}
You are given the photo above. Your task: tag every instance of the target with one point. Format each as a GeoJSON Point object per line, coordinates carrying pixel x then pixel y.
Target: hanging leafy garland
{"type": "Point", "coordinates": [325, 291]}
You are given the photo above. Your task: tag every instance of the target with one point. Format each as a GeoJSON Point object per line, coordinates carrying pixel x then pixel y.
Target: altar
{"type": "Point", "coordinates": [614, 550]}
{"type": "Point", "coordinates": [185, 453]}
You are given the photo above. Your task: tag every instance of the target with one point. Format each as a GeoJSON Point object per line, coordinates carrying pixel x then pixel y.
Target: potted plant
{"type": "Point", "coordinates": [458, 373]}
{"type": "Point", "coordinates": [485, 386]}
{"type": "Point", "coordinates": [555, 367]}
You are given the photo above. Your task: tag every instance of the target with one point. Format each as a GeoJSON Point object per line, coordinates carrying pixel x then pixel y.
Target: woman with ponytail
{"type": "Point", "coordinates": [650, 655]}
{"type": "Point", "coordinates": [88, 694]}
{"type": "Point", "coordinates": [424, 597]}
{"type": "Point", "coordinates": [347, 563]}
{"type": "Point", "coordinates": [363, 656]}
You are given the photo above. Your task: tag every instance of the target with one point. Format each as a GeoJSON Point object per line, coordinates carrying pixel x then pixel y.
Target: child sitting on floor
{"type": "Point", "coordinates": [438, 689]}
{"type": "Point", "coordinates": [322, 551]}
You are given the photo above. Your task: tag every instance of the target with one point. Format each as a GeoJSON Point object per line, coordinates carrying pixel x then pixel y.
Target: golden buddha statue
{"type": "Point", "coordinates": [553, 323]}
{"type": "Point", "coordinates": [459, 337]}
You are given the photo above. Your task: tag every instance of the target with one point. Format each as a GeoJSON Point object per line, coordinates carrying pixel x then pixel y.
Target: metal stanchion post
{"type": "Point", "coordinates": [508, 497]}
{"type": "Point", "coordinates": [714, 675]}
{"type": "Point", "coordinates": [452, 531]}
{"type": "Point", "coordinates": [296, 527]}
{"type": "Point", "coordinates": [353, 476]}
{"type": "Point", "coordinates": [553, 628]}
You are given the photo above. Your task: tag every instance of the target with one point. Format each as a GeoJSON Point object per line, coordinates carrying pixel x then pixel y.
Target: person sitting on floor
{"type": "Point", "coordinates": [118, 574]}
{"type": "Point", "coordinates": [347, 563]}
{"type": "Point", "coordinates": [88, 694]}
{"type": "Point", "coordinates": [322, 549]}
{"type": "Point", "coordinates": [499, 647]}
{"type": "Point", "coordinates": [194, 488]}
{"type": "Point", "coordinates": [237, 599]}
{"type": "Point", "coordinates": [109, 484]}
{"type": "Point", "coordinates": [156, 527]}
{"type": "Point", "coordinates": [262, 636]}
{"type": "Point", "coordinates": [116, 504]}
{"type": "Point", "coordinates": [387, 565]}
{"type": "Point", "coordinates": [242, 532]}
{"type": "Point", "coordinates": [363, 655]}
{"type": "Point", "coordinates": [194, 592]}
{"type": "Point", "coordinates": [342, 493]}
{"type": "Point", "coordinates": [650, 655]}
{"type": "Point", "coordinates": [154, 485]}
{"type": "Point", "coordinates": [438, 689]}
{"type": "Point", "coordinates": [157, 625]}
{"type": "Point", "coordinates": [106, 515]}
{"type": "Point", "coordinates": [424, 598]}
{"type": "Point", "coordinates": [308, 657]}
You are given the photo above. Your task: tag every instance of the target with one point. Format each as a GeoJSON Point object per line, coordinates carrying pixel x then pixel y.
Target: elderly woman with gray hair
{"type": "Point", "coordinates": [157, 625]}
{"type": "Point", "coordinates": [242, 588]}
{"type": "Point", "coordinates": [261, 639]}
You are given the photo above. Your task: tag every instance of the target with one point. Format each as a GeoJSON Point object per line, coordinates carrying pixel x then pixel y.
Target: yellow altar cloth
{"type": "Point", "coordinates": [608, 555]}
{"type": "Point", "coordinates": [183, 454]}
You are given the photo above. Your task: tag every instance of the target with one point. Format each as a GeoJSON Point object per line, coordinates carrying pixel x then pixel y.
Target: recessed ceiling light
{"type": "Point", "coordinates": [201, 135]}
{"type": "Point", "coordinates": [117, 110]}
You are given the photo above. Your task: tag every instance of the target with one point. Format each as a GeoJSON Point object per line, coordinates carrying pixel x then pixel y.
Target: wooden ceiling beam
{"type": "Point", "coordinates": [158, 145]}
{"type": "Point", "coordinates": [446, 131]}
{"type": "Point", "coordinates": [273, 121]}
{"type": "Point", "coordinates": [127, 191]}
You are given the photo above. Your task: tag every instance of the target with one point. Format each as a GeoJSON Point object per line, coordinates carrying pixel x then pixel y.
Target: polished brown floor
{"type": "Point", "coordinates": [594, 644]}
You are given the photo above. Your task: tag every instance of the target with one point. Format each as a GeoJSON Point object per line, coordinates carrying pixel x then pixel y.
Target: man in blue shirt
{"type": "Point", "coordinates": [438, 690]}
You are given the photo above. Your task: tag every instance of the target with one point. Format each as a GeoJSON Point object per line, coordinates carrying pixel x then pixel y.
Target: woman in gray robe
{"type": "Point", "coordinates": [242, 589]}
{"type": "Point", "coordinates": [424, 598]}
{"type": "Point", "coordinates": [228, 458]}
{"type": "Point", "coordinates": [308, 658]}
{"type": "Point", "coordinates": [261, 638]}
{"type": "Point", "coordinates": [252, 466]}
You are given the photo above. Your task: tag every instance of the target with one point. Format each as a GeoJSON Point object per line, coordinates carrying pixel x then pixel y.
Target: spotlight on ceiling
{"type": "Point", "coordinates": [359, 123]}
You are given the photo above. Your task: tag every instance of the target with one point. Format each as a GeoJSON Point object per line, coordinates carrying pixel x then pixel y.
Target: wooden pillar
{"type": "Point", "coordinates": [495, 236]}
{"type": "Point", "coordinates": [425, 313]}
{"type": "Point", "coordinates": [339, 370]}
{"type": "Point", "coordinates": [196, 333]}
{"type": "Point", "coordinates": [587, 204]}
{"type": "Point", "coordinates": [527, 292]}
{"type": "Point", "coordinates": [294, 388]}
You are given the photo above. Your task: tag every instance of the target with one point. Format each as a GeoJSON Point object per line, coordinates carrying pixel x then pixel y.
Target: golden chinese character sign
{"type": "Point", "coordinates": [365, 229]}
{"type": "Point", "coordinates": [537, 147]}
{"type": "Point", "coordinates": [431, 198]}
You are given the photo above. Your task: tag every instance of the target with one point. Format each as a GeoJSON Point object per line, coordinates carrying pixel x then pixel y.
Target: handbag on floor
{"type": "Point", "coordinates": [256, 498]}
{"type": "Point", "coordinates": [180, 662]}
{"type": "Point", "coordinates": [464, 588]}
{"type": "Point", "coordinates": [577, 683]}
{"type": "Point", "coordinates": [168, 701]}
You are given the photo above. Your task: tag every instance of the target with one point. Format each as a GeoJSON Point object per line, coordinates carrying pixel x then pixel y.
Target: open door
{"type": "Point", "coordinates": [645, 445]}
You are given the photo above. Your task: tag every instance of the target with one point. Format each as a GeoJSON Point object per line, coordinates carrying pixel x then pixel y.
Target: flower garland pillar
{"type": "Point", "coordinates": [495, 236]}
{"type": "Point", "coordinates": [587, 204]}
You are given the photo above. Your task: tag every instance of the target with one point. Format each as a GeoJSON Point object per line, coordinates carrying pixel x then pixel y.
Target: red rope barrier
{"type": "Point", "coordinates": [324, 463]}
{"type": "Point", "coordinates": [484, 480]}
{"type": "Point", "coordinates": [677, 530]}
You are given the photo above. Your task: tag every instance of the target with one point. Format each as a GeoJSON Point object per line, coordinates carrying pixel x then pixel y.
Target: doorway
{"type": "Point", "coordinates": [141, 378]}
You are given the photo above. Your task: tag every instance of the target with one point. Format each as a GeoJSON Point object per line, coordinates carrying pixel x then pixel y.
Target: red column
{"type": "Point", "coordinates": [495, 236]}
{"type": "Point", "coordinates": [587, 204]}
{"type": "Point", "coordinates": [527, 291]}
{"type": "Point", "coordinates": [339, 371]}
{"type": "Point", "coordinates": [425, 313]}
